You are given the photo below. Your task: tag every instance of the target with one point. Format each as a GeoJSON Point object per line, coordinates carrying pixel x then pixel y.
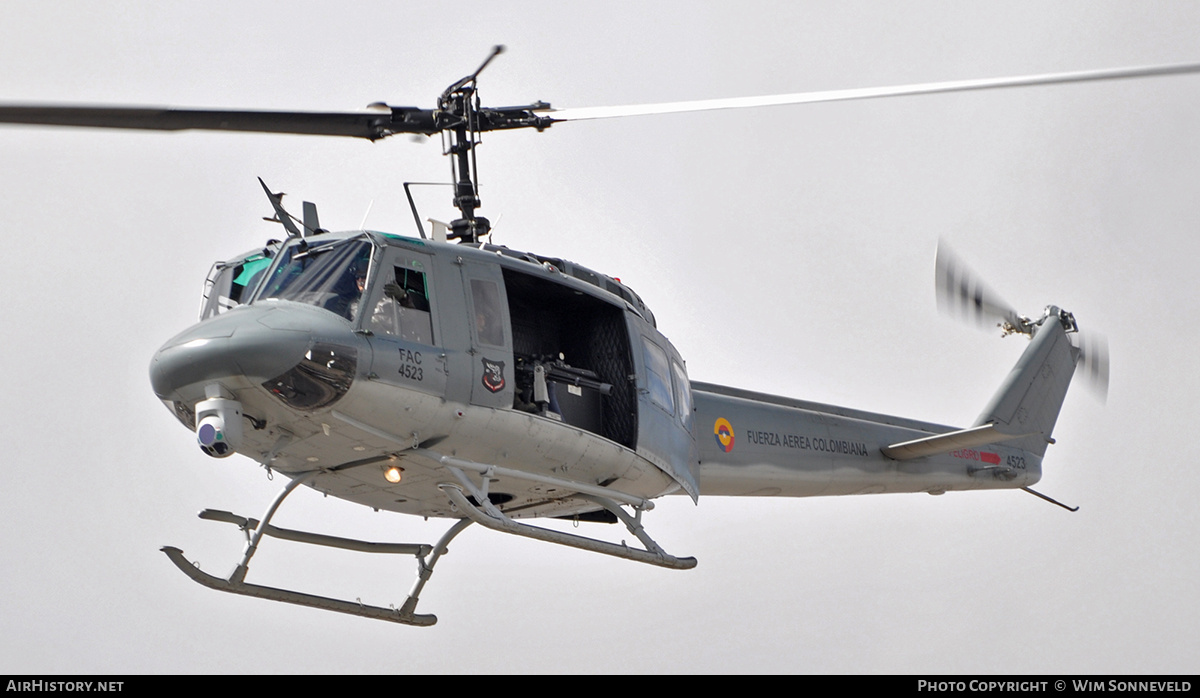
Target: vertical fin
{"type": "Point", "coordinates": [1029, 400]}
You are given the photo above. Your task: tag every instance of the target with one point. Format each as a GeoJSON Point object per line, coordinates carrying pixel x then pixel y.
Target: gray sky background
{"type": "Point", "coordinates": [788, 250]}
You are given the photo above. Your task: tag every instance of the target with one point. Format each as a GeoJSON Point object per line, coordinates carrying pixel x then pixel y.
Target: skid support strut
{"type": "Point", "coordinates": [427, 556]}
{"type": "Point", "coordinates": [486, 514]}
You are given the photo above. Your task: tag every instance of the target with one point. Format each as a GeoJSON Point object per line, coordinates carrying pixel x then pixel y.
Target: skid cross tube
{"type": "Point", "coordinates": [425, 568]}
{"type": "Point", "coordinates": [633, 523]}
{"type": "Point", "coordinates": [488, 516]}
{"type": "Point", "coordinates": [239, 572]}
{"type": "Point", "coordinates": [361, 546]}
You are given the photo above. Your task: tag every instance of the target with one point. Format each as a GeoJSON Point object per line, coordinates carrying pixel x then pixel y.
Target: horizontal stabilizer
{"type": "Point", "coordinates": [945, 443]}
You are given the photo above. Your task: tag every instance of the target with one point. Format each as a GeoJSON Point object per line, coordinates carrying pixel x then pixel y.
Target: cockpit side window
{"type": "Point", "coordinates": [403, 308]}
{"type": "Point", "coordinates": [329, 275]}
{"type": "Point", "coordinates": [231, 284]}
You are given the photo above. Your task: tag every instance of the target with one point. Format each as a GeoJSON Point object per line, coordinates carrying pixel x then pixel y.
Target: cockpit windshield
{"type": "Point", "coordinates": [329, 275]}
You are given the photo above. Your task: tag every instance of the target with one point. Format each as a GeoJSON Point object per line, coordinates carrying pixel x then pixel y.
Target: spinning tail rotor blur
{"type": "Point", "coordinates": [962, 294]}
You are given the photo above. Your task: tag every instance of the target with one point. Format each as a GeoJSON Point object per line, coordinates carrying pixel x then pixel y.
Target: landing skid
{"type": "Point", "coordinates": [295, 597]}
{"type": "Point", "coordinates": [427, 556]}
{"type": "Point", "coordinates": [485, 514]}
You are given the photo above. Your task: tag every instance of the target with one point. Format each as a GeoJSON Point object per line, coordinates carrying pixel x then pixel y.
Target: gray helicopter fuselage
{"type": "Point", "coordinates": [359, 353]}
{"type": "Point", "coordinates": [444, 349]}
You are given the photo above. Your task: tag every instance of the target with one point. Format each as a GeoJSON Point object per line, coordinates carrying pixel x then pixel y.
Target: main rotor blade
{"type": "Point", "coordinates": [369, 125]}
{"type": "Point", "coordinates": [388, 120]}
{"type": "Point", "coordinates": [581, 113]}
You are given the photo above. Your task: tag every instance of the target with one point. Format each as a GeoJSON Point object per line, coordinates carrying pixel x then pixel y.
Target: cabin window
{"type": "Point", "coordinates": [683, 390]}
{"type": "Point", "coordinates": [658, 376]}
{"type": "Point", "coordinates": [329, 275]}
{"type": "Point", "coordinates": [489, 323]}
{"type": "Point", "coordinates": [403, 309]}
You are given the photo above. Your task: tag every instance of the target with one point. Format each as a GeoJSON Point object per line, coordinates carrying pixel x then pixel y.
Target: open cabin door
{"type": "Point", "coordinates": [572, 353]}
{"type": "Point", "coordinates": [665, 412]}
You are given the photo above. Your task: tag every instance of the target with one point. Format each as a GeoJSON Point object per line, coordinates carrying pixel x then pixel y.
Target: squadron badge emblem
{"type": "Point", "coordinates": [493, 375]}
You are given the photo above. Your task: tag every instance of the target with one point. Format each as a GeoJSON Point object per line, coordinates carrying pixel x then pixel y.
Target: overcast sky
{"type": "Point", "coordinates": [787, 250]}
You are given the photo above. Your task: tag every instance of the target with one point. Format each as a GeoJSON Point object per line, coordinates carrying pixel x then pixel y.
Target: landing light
{"type": "Point", "coordinates": [393, 474]}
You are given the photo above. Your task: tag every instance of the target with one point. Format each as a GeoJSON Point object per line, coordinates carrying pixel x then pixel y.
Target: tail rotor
{"type": "Point", "coordinates": [1093, 362]}
{"type": "Point", "coordinates": [962, 294]}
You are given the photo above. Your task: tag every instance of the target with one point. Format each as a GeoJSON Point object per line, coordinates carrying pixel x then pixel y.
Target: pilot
{"type": "Point", "coordinates": [352, 297]}
{"type": "Point", "coordinates": [348, 281]}
{"type": "Point", "coordinates": [347, 291]}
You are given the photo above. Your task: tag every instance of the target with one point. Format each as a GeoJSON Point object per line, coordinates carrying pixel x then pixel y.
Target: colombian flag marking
{"type": "Point", "coordinates": [723, 430]}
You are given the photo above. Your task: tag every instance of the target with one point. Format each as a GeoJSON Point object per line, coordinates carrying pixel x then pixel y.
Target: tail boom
{"type": "Point", "coordinates": [764, 445]}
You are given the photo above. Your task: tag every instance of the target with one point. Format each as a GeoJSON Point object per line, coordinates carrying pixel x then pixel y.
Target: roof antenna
{"type": "Point", "coordinates": [281, 216]}
{"type": "Point", "coordinates": [311, 223]}
{"type": "Point", "coordinates": [363, 225]}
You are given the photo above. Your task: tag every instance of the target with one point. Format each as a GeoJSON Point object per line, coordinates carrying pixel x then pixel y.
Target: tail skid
{"type": "Point", "coordinates": [1025, 408]}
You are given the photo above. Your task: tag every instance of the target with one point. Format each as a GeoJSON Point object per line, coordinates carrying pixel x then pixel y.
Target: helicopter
{"type": "Point", "coordinates": [496, 385]}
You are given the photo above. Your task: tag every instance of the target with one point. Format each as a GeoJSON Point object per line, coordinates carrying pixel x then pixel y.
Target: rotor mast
{"type": "Point", "coordinates": [460, 118]}
{"type": "Point", "coordinates": [459, 107]}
